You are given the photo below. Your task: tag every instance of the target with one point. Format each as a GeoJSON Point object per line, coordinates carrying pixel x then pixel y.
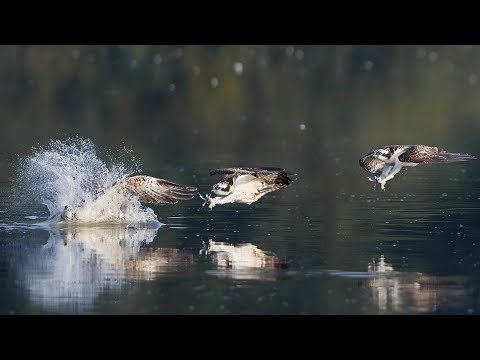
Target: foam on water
{"type": "Point", "coordinates": [70, 173]}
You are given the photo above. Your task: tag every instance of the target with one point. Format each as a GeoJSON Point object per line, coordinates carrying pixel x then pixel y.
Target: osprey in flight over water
{"type": "Point", "coordinates": [387, 161]}
{"type": "Point", "coordinates": [147, 189]}
{"type": "Point", "coordinates": [246, 185]}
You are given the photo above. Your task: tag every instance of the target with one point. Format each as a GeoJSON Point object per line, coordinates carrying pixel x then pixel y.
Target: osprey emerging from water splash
{"type": "Point", "coordinates": [147, 189]}
{"type": "Point", "coordinates": [387, 161]}
{"type": "Point", "coordinates": [246, 185]}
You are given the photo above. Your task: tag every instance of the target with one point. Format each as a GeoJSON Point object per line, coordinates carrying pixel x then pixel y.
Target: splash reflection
{"type": "Point", "coordinates": [78, 264]}
{"type": "Point", "coordinates": [243, 261]}
{"type": "Point", "coordinates": [392, 291]}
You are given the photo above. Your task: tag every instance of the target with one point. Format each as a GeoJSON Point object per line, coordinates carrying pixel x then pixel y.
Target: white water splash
{"type": "Point", "coordinates": [70, 173]}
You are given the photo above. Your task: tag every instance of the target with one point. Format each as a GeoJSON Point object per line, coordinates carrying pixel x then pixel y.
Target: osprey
{"type": "Point", "coordinates": [246, 185]}
{"type": "Point", "coordinates": [147, 189]}
{"type": "Point", "coordinates": [387, 161]}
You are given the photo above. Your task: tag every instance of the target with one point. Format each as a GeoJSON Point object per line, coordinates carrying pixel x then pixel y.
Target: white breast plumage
{"type": "Point", "coordinates": [246, 185]}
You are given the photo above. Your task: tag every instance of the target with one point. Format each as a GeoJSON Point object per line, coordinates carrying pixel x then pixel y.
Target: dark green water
{"type": "Point", "coordinates": [305, 249]}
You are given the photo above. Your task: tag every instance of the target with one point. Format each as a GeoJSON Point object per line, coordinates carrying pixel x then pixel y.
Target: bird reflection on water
{"type": "Point", "coordinates": [243, 261]}
{"type": "Point", "coordinates": [78, 263]}
{"type": "Point", "coordinates": [395, 292]}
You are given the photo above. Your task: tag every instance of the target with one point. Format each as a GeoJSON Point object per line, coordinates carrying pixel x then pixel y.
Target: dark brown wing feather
{"type": "Point", "coordinates": [431, 155]}
{"type": "Point", "coordinates": [247, 170]}
{"type": "Point", "coordinates": [271, 175]}
{"type": "Point", "coordinates": [157, 191]}
{"type": "Point", "coordinates": [271, 188]}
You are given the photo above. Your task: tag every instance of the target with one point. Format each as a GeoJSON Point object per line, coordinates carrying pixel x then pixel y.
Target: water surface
{"type": "Point", "coordinates": [329, 244]}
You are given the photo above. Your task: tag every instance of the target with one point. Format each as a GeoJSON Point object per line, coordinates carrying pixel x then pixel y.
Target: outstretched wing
{"type": "Point", "coordinates": [270, 175]}
{"type": "Point", "coordinates": [431, 155]}
{"type": "Point", "coordinates": [156, 191]}
{"type": "Point", "coordinates": [248, 170]}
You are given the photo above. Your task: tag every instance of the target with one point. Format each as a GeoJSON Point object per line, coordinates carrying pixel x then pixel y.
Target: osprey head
{"type": "Point", "coordinates": [382, 154]}
{"type": "Point", "coordinates": [67, 213]}
{"type": "Point", "coordinates": [222, 188]}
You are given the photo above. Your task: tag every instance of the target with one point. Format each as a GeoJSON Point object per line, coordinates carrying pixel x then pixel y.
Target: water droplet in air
{"type": "Point", "coordinates": [158, 59]}
{"type": "Point", "coordinates": [421, 53]}
{"type": "Point", "coordinates": [214, 82]}
{"type": "Point", "coordinates": [238, 68]}
{"type": "Point", "coordinates": [472, 79]}
{"type": "Point", "coordinates": [433, 56]}
{"type": "Point", "coordinates": [76, 54]}
{"type": "Point", "coordinates": [299, 54]}
{"type": "Point", "coordinates": [368, 65]}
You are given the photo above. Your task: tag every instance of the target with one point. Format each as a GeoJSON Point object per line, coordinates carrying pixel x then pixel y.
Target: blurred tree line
{"type": "Point", "coordinates": [235, 96]}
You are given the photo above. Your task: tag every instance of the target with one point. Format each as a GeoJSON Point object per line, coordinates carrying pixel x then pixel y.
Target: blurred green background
{"type": "Point", "coordinates": [194, 101]}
